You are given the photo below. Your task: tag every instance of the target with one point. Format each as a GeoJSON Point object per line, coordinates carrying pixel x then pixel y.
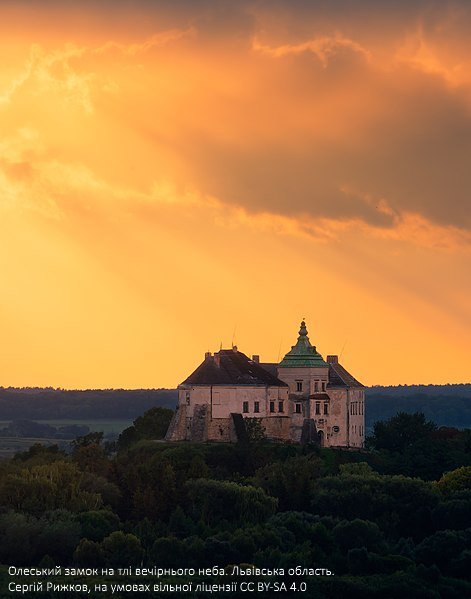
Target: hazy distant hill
{"type": "Point", "coordinates": [42, 404]}
{"type": "Point", "coordinates": [446, 405]}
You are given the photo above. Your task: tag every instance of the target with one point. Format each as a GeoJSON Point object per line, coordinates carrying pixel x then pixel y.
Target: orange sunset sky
{"type": "Point", "coordinates": [179, 174]}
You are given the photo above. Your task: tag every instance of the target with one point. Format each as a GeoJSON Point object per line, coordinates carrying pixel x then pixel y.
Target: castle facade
{"type": "Point", "coordinates": [303, 399]}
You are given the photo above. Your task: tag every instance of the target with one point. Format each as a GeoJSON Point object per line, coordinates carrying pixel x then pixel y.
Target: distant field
{"type": "Point", "coordinates": [109, 427]}
{"type": "Point", "coordinates": [11, 445]}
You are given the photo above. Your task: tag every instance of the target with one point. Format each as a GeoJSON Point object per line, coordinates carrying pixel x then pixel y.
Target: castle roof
{"type": "Point", "coordinates": [303, 354]}
{"type": "Point", "coordinates": [231, 367]}
{"type": "Point", "coordinates": [339, 377]}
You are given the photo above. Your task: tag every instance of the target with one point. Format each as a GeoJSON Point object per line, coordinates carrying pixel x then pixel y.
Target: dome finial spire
{"type": "Point", "coordinates": [303, 329]}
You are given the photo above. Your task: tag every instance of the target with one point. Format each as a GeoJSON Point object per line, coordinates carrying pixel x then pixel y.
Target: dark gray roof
{"type": "Point", "coordinates": [339, 377]}
{"type": "Point", "coordinates": [271, 367]}
{"type": "Point", "coordinates": [231, 367]}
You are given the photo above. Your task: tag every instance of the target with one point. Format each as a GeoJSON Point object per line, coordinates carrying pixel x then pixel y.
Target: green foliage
{"type": "Point", "coordinates": [399, 505]}
{"type": "Point", "coordinates": [454, 481]}
{"type": "Point", "coordinates": [359, 468]}
{"type": "Point", "coordinates": [47, 487]}
{"type": "Point", "coordinates": [454, 514]}
{"type": "Point", "coordinates": [358, 533]}
{"type": "Point", "coordinates": [120, 549]}
{"type": "Point", "coordinates": [152, 425]}
{"type": "Point", "coordinates": [26, 539]}
{"type": "Point", "coordinates": [270, 505]}
{"type": "Point", "coordinates": [91, 458]}
{"type": "Point", "coordinates": [291, 481]}
{"type": "Point", "coordinates": [443, 547]}
{"type": "Point", "coordinates": [89, 554]}
{"type": "Point", "coordinates": [40, 454]}
{"type": "Point", "coordinates": [97, 524]}
{"type": "Point", "coordinates": [400, 432]}
{"type": "Point", "coordinates": [169, 551]}
{"type": "Point", "coordinates": [155, 492]}
{"type": "Point", "coordinates": [214, 501]}
{"type": "Point", "coordinates": [91, 439]}
{"type": "Point", "coordinates": [18, 533]}
{"type": "Point", "coordinates": [59, 535]}
{"type": "Point", "coordinates": [255, 430]}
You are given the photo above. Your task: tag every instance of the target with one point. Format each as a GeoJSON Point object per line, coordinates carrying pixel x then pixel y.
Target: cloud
{"type": "Point", "coordinates": [327, 113]}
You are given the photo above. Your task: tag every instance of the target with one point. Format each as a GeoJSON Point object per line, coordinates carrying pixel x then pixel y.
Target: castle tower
{"type": "Point", "coordinates": [303, 368]}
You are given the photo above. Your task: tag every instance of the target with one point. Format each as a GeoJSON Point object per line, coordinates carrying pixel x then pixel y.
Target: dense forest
{"type": "Point", "coordinates": [446, 405]}
{"type": "Point", "coordinates": [393, 520]}
{"type": "Point", "coordinates": [43, 404]}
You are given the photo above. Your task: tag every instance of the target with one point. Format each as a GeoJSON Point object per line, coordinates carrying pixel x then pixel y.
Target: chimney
{"type": "Point", "coordinates": [217, 359]}
{"type": "Point", "coordinates": [207, 355]}
{"type": "Point", "coordinates": [333, 359]}
{"type": "Point", "coordinates": [256, 359]}
{"type": "Point", "coordinates": [234, 348]}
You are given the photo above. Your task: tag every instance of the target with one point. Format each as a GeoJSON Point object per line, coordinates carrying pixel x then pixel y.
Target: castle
{"type": "Point", "coordinates": [303, 399]}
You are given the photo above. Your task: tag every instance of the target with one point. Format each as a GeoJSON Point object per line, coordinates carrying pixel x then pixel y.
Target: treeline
{"type": "Point", "coordinates": [449, 390]}
{"type": "Point", "coordinates": [38, 430]}
{"type": "Point", "coordinates": [383, 531]}
{"type": "Point", "coordinates": [446, 405]}
{"type": "Point", "coordinates": [43, 404]}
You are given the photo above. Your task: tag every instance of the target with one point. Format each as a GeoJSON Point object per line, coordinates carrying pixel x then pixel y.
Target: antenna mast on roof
{"type": "Point", "coordinates": [279, 350]}
{"type": "Point", "coordinates": [233, 336]}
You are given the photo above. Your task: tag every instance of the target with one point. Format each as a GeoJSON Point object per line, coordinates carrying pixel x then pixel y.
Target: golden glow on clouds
{"type": "Point", "coordinates": [166, 179]}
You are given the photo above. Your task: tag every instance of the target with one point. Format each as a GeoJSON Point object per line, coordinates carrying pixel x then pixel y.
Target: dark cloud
{"type": "Point", "coordinates": [409, 144]}
{"type": "Point", "coordinates": [331, 130]}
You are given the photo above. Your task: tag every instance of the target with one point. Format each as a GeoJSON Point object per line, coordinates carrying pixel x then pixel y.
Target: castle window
{"type": "Point", "coordinates": [299, 385]}
{"type": "Point", "coordinates": [256, 407]}
{"type": "Point", "coordinates": [323, 385]}
{"type": "Point", "coordinates": [297, 408]}
{"type": "Point", "coordinates": [318, 408]}
{"type": "Point", "coordinates": [280, 406]}
{"type": "Point", "coordinates": [245, 407]}
{"type": "Point", "coordinates": [272, 406]}
{"type": "Point", "coordinates": [326, 409]}
{"type": "Point", "coordinates": [316, 386]}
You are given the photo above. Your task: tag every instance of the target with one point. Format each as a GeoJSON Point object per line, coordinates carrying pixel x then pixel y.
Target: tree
{"type": "Point", "coordinates": [214, 501]}
{"type": "Point", "coordinates": [89, 554]}
{"type": "Point", "coordinates": [60, 533]}
{"type": "Point", "coordinates": [48, 487]}
{"type": "Point", "coordinates": [120, 549]}
{"type": "Point", "coordinates": [97, 524]}
{"type": "Point", "coordinates": [400, 432]}
{"type": "Point", "coordinates": [152, 425]}
{"type": "Point", "coordinates": [255, 430]}
{"type": "Point", "coordinates": [155, 490]}
{"type": "Point", "coordinates": [290, 481]}
{"type": "Point", "coordinates": [456, 480]}
{"type": "Point", "coordinates": [169, 551]}
{"type": "Point", "coordinates": [358, 533]}
{"type": "Point", "coordinates": [18, 533]}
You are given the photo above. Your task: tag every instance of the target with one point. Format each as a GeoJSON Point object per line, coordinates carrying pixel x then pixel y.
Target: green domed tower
{"type": "Point", "coordinates": [303, 354]}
